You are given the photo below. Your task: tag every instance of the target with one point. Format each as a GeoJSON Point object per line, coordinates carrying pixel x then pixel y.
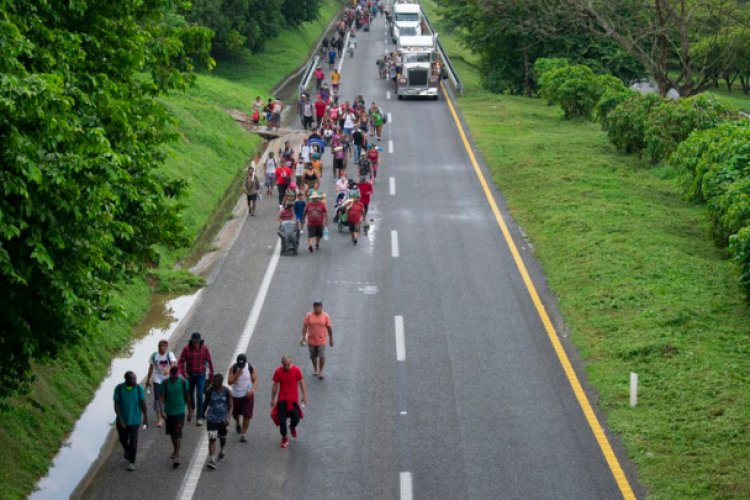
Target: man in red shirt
{"type": "Point", "coordinates": [355, 212]}
{"type": "Point", "coordinates": [193, 361]}
{"type": "Point", "coordinates": [316, 217]}
{"type": "Point", "coordinates": [320, 109]}
{"type": "Point", "coordinates": [284, 177]}
{"type": "Point", "coordinates": [285, 397]}
{"type": "Point", "coordinates": [317, 331]}
{"type": "Point", "coordinates": [365, 192]}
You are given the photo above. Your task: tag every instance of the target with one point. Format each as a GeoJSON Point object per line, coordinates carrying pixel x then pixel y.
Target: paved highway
{"type": "Point", "coordinates": [442, 383]}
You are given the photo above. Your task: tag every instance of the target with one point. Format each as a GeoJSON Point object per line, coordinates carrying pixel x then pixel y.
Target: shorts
{"type": "Point", "coordinates": [243, 406]}
{"type": "Point", "coordinates": [317, 351]}
{"type": "Point", "coordinates": [270, 180]}
{"type": "Point", "coordinates": [348, 130]}
{"type": "Point", "coordinates": [314, 231]}
{"type": "Point", "coordinates": [252, 197]}
{"type": "Point", "coordinates": [338, 163]}
{"type": "Point", "coordinates": [216, 429]}
{"type": "Point", "coordinates": [175, 423]}
{"type": "Point", "coordinates": [354, 227]}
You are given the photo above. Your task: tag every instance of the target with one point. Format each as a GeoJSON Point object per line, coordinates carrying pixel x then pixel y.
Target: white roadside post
{"type": "Point", "coordinates": [633, 389]}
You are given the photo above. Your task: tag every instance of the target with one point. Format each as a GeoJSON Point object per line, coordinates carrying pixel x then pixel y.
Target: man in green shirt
{"type": "Point", "coordinates": [130, 408]}
{"type": "Point", "coordinates": [175, 396]}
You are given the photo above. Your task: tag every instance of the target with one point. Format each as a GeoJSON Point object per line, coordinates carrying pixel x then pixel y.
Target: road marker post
{"type": "Point", "coordinates": [633, 389]}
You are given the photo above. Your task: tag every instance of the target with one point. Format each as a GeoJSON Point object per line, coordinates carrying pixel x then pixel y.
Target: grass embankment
{"type": "Point", "coordinates": [640, 285]}
{"type": "Point", "coordinates": [211, 153]}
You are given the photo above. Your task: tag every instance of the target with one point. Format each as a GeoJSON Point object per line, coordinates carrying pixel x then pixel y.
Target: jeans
{"type": "Point", "coordinates": [357, 151]}
{"type": "Point", "coordinates": [128, 435]}
{"type": "Point", "coordinates": [197, 382]}
{"type": "Point", "coordinates": [282, 192]}
{"type": "Point", "coordinates": [284, 414]}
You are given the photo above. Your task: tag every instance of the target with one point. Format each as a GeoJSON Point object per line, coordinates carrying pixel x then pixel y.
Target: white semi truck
{"type": "Point", "coordinates": [406, 20]}
{"type": "Point", "coordinates": [420, 67]}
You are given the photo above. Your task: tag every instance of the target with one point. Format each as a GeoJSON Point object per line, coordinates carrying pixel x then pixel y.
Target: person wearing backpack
{"type": "Point", "coordinates": [316, 216]}
{"type": "Point", "coordinates": [216, 410]}
{"type": "Point", "coordinates": [271, 165]}
{"type": "Point", "coordinates": [175, 397]}
{"type": "Point", "coordinates": [243, 380]}
{"type": "Point", "coordinates": [158, 370]}
{"type": "Point", "coordinates": [194, 359]}
{"type": "Point", "coordinates": [131, 411]}
{"type": "Point", "coordinates": [251, 188]}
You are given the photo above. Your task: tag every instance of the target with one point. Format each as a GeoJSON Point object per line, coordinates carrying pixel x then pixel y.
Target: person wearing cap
{"type": "Point", "coordinates": [317, 331]}
{"type": "Point", "coordinates": [355, 211]}
{"type": "Point", "coordinates": [216, 411]}
{"type": "Point", "coordinates": [316, 217]}
{"type": "Point", "coordinates": [244, 381]}
{"type": "Point", "coordinates": [194, 359]}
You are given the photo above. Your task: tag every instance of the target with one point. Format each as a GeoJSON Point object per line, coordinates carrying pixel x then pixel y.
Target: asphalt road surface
{"type": "Point", "coordinates": [473, 404]}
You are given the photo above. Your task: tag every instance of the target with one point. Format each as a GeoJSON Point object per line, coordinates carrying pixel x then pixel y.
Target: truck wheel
{"type": "Point", "coordinates": [400, 97]}
{"type": "Point", "coordinates": [434, 98]}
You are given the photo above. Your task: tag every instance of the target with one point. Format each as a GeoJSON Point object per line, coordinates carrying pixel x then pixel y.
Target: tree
{"type": "Point", "coordinates": [509, 35]}
{"type": "Point", "coordinates": [84, 202]}
{"type": "Point", "coordinates": [660, 34]}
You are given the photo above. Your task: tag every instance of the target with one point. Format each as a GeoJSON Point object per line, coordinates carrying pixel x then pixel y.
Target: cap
{"type": "Point", "coordinates": [241, 359]}
{"type": "Point", "coordinates": [317, 303]}
{"type": "Point", "coordinates": [195, 337]}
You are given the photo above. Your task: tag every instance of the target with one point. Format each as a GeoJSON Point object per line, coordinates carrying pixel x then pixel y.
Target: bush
{"type": "Point", "coordinates": [574, 88]}
{"type": "Point", "coordinates": [671, 122]}
{"type": "Point", "coordinates": [610, 99]}
{"type": "Point", "coordinates": [626, 123]}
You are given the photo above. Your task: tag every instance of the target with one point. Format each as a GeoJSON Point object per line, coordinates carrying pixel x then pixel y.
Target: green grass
{"type": "Point", "coordinates": [641, 287]}
{"type": "Point", "coordinates": [211, 153]}
{"type": "Point", "coordinates": [735, 98]}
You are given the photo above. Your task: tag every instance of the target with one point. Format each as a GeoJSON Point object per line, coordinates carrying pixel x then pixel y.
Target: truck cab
{"type": "Point", "coordinates": [420, 67]}
{"type": "Point", "coordinates": [406, 20]}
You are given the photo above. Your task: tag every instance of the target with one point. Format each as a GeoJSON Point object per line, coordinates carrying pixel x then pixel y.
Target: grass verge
{"type": "Point", "coordinates": [211, 153]}
{"type": "Point", "coordinates": [640, 285]}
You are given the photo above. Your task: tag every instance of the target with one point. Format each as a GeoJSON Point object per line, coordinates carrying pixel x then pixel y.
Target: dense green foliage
{"type": "Point", "coordinates": [716, 166]}
{"type": "Point", "coordinates": [249, 23]}
{"type": "Point", "coordinates": [81, 135]}
{"type": "Point", "coordinates": [509, 35]}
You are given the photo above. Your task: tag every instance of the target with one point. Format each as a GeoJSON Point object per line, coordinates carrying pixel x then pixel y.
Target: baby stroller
{"type": "Point", "coordinates": [339, 216]}
{"type": "Point", "coordinates": [289, 234]}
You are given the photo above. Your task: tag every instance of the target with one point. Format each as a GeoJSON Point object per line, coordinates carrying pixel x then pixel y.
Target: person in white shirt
{"type": "Point", "coordinates": [158, 370]}
{"type": "Point", "coordinates": [243, 381]}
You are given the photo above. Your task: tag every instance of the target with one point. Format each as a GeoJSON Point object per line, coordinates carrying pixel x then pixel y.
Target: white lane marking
{"type": "Point", "coordinates": [341, 59]}
{"type": "Point", "coordinates": [390, 145]}
{"type": "Point", "coordinates": [390, 120]}
{"type": "Point", "coordinates": [405, 486]}
{"type": "Point", "coordinates": [195, 470]}
{"type": "Point", "coordinates": [386, 51]}
{"type": "Point", "coordinates": [400, 341]}
{"type": "Point", "coordinates": [403, 413]}
{"type": "Point", "coordinates": [394, 244]}
{"type": "Point", "coordinates": [388, 96]}
{"type": "Point", "coordinates": [392, 185]}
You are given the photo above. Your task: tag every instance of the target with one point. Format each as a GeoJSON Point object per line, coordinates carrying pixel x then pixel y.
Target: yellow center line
{"type": "Point", "coordinates": [583, 401]}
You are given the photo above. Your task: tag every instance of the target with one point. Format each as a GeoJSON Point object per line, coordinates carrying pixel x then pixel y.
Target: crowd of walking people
{"type": "Point", "coordinates": [344, 132]}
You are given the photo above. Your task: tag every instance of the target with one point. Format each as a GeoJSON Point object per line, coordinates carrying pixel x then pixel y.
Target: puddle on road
{"type": "Point", "coordinates": [83, 446]}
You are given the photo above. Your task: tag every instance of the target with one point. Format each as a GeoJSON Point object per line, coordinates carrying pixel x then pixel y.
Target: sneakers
{"type": "Point", "coordinates": [310, 248]}
{"type": "Point", "coordinates": [243, 439]}
{"type": "Point", "coordinates": [221, 456]}
{"type": "Point", "coordinates": [199, 422]}
{"type": "Point", "coordinates": [238, 428]}
{"type": "Point", "coordinates": [211, 463]}
{"type": "Point", "coordinates": [293, 430]}
{"type": "Point", "coordinates": [131, 466]}
{"type": "Point", "coordinates": [284, 442]}
{"type": "Point", "coordinates": [355, 242]}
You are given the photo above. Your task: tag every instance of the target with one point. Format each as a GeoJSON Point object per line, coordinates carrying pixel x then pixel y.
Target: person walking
{"type": "Point", "coordinates": [316, 217]}
{"type": "Point", "coordinates": [271, 165]}
{"type": "Point", "coordinates": [319, 76]}
{"type": "Point", "coordinates": [158, 370]}
{"type": "Point", "coordinates": [283, 181]}
{"type": "Point", "coordinates": [355, 212]}
{"type": "Point", "coordinates": [194, 359]}
{"type": "Point", "coordinates": [131, 412]}
{"type": "Point", "coordinates": [251, 187]}
{"type": "Point", "coordinates": [317, 331]}
{"type": "Point", "coordinates": [320, 109]}
{"type": "Point", "coordinates": [308, 112]}
{"type": "Point", "coordinates": [216, 411]}
{"type": "Point", "coordinates": [244, 381]}
{"type": "Point", "coordinates": [175, 397]}
{"type": "Point", "coordinates": [285, 403]}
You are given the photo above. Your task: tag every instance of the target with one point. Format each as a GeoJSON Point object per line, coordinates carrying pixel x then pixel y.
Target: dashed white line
{"type": "Point", "coordinates": [390, 145]}
{"type": "Point", "coordinates": [394, 244]}
{"type": "Point", "coordinates": [388, 96]}
{"type": "Point", "coordinates": [400, 341]}
{"type": "Point", "coordinates": [201, 453]}
{"type": "Point", "coordinates": [403, 413]}
{"type": "Point", "coordinates": [405, 486]}
{"type": "Point", "coordinates": [392, 185]}
{"type": "Point", "coordinates": [390, 120]}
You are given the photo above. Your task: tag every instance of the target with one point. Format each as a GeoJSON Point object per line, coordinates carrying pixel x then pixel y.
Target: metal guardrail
{"type": "Point", "coordinates": [308, 73]}
{"type": "Point", "coordinates": [452, 73]}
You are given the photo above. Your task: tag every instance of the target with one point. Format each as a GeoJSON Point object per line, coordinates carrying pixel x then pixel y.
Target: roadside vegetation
{"type": "Point", "coordinates": [641, 285]}
{"type": "Point", "coordinates": [209, 154]}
